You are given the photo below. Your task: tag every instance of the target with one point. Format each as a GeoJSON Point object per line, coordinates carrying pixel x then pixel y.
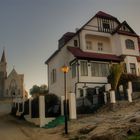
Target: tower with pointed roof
{"type": "Point", "coordinates": [3, 73]}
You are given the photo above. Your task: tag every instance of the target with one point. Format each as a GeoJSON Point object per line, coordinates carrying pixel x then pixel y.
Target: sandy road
{"type": "Point", "coordinates": [14, 129]}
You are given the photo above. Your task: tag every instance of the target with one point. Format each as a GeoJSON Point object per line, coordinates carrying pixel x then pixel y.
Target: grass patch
{"type": "Point", "coordinates": [134, 137]}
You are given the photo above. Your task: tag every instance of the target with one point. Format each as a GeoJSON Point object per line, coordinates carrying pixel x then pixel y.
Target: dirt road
{"type": "Point", "coordinates": [14, 129]}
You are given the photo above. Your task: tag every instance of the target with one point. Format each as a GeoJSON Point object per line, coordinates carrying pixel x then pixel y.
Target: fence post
{"type": "Point", "coordinates": [62, 105]}
{"type": "Point", "coordinates": [72, 106]}
{"type": "Point", "coordinates": [129, 95]}
{"type": "Point", "coordinates": [30, 107]}
{"type": "Point", "coordinates": [105, 97]}
{"type": "Point", "coordinates": [112, 96]}
{"type": "Point", "coordinates": [107, 87]}
{"type": "Point", "coordinates": [42, 110]}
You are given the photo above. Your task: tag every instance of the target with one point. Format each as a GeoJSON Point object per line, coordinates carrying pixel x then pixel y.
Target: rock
{"type": "Point", "coordinates": [135, 119]}
{"type": "Point", "coordinates": [108, 137]}
{"type": "Point", "coordinates": [87, 129]}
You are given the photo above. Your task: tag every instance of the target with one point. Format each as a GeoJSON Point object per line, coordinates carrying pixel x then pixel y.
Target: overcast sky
{"type": "Point", "coordinates": [30, 29]}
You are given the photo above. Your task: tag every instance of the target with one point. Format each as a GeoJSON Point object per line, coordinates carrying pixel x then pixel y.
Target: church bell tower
{"type": "Point", "coordinates": [3, 73]}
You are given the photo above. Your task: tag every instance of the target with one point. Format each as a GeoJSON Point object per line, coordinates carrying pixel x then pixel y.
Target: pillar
{"type": "Point", "coordinates": [130, 86]}
{"type": "Point", "coordinates": [105, 97]}
{"type": "Point", "coordinates": [42, 110]}
{"type": "Point", "coordinates": [107, 87]}
{"type": "Point", "coordinates": [112, 96]}
{"type": "Point", "coordinates": [129, 95]}
{"type": "Point", "coordinates": [62, 105]}
{"type": "Point", "coordinates": [72, 106]}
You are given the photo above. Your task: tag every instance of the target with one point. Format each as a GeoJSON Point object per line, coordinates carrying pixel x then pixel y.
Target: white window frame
{"type": "Point", "coordinates": [73, 70]}
{"type": "Point", "coordinates": [89, 45]}
{"type": "Point", "coordinates": [84, 68]}
{"type": "Point", "coordinates": [53, 76]}
{"type": "Point", "coordinates": [97, 69]}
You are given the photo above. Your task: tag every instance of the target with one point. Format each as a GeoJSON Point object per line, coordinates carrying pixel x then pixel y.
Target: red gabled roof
{"type": "Point", "coordinates": [104, 15]}
{"type": "Point", "coordinates": [78, 53]}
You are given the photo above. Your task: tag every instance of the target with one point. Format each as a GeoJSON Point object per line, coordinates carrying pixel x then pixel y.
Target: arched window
{"type": "Point", "coordinates": [129, 44]}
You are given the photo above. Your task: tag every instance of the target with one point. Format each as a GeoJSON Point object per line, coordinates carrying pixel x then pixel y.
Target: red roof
{"type": "Point", "coordinates": [104, 15]}
{"type": "Point", "coordinates": [78, 53]}
{"type": "Point", "coordinates": [138, 58]}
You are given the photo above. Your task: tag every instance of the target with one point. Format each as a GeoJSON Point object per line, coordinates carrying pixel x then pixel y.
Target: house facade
{"type": "Point", "coordinates": [90, 51]}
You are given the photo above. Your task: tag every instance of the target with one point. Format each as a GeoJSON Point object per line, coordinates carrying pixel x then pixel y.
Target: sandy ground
{"type": "Point", "coordinates": [14, 129]}
{"type": "Point", "coordinates": [119, 121]}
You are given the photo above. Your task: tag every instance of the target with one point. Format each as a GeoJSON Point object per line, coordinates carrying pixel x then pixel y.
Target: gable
{"type": "Point", "coordinates": [102, 22]}
{"type": "Point", "coordinates": [125, 29]}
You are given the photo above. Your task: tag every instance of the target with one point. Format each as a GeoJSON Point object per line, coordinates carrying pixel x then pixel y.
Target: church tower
{"type": "Point", "coordinates": [3, 73]}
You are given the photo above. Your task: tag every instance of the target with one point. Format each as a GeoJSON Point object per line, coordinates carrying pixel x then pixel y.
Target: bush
{"type": "Point", "coordinates": [52, 105]}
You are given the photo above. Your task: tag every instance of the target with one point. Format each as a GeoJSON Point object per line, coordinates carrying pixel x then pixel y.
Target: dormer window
{"type": "Point", "coordinates": [106, 25]}
{"type": "Point", "coordinates": [88, 45]}
{"type": "Point", "coordinates": [129, 44]}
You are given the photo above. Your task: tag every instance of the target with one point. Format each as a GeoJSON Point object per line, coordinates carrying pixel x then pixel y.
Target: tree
{"type": "Point", "coordinates": [39, 90]}
{"type": "Point", "coordinates": [116, 71]}
{"type": "Point", "coordinates": [43, 89]}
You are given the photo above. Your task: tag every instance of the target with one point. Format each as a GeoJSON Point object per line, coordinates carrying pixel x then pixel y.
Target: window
{"type": "Point", "coordinates": [100, 46]}
{"type": "Point", "coordinates": [99, 69]}
{"type": "Point", "coordinates": [53, 76]}
{"type": "Point", "coordinates": [88, 45]}
{"type": "Point", "coordinates": [75, 43]}
{"type": "Point", "coordinates": [106, 25]}
{"type": "Point", "coordinates": [73, 68]}
{"type": "Point", "coordinates": [129, 44]}
{"type": "Point", "coordinates": [81, 92]}
{"type": "Point", "coordinates": [84, 68]}
{"type": "Point", "coordinates": [132, 68]}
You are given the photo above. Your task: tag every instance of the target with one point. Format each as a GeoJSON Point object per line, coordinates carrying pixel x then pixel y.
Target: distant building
{"type": "Point", "coordinates": [11, 86]}
{"type": "Point", "coordinates": [90, 51]}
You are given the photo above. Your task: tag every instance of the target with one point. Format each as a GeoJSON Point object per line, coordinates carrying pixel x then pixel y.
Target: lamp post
{"type": "Point", "coordinates": [65, 70]}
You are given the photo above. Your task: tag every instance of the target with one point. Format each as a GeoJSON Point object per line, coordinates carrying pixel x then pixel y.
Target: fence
{"type": "Point", "coordinates": [40, 112]}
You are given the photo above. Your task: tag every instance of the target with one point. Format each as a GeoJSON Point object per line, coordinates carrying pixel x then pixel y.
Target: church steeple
{"type": "Point", "coordinates": [3, 58]}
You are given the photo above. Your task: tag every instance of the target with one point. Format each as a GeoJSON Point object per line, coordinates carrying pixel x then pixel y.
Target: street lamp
{"type": "Point", "coordinates": [65, 70]}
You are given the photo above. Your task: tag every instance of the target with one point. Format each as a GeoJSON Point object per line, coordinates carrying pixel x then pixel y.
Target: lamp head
{"type": "Point", "coordinates": [65, 69]}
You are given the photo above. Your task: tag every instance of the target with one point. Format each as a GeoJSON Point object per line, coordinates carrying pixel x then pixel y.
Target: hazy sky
{"type": "Point", "coordinates": [30, 29]}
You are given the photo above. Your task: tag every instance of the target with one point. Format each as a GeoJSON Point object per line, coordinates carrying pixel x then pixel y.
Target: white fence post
{"type": "Point", "coordinates": [107, 87]}
{"type": "Point", "coordinates": [42, 110]}
{"type": "Point", "coordinates": [130, 86]}
{"type": "Point", "coordinates": [62, 105]}
{"type": "Point", "coordinates": [129, 95]}
{"type": "Point", "coordinates": [105, 97]}
{"type": "Point", "coordinates": [72, 106]}
{"type": "Point", "coordinates": [112, 96]}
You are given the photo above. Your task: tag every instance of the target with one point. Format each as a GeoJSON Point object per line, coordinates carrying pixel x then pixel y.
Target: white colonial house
{"type": "Point", "coordinates": [89, 51]}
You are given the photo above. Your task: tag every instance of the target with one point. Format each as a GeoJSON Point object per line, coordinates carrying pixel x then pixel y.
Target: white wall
{"type": "Point", "coordinates": [63, 57]}
{"type": "Point", "coordinates": [129, 51]}
{"type": "Point", "coordinates": [131, 59]}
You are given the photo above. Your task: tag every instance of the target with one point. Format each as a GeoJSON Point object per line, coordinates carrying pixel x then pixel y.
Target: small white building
{"type": "Point", "coordinates": [89, 51]}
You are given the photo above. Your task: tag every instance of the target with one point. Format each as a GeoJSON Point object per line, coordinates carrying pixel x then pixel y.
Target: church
{"type": "Point", "coordinates": [12, 85]}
